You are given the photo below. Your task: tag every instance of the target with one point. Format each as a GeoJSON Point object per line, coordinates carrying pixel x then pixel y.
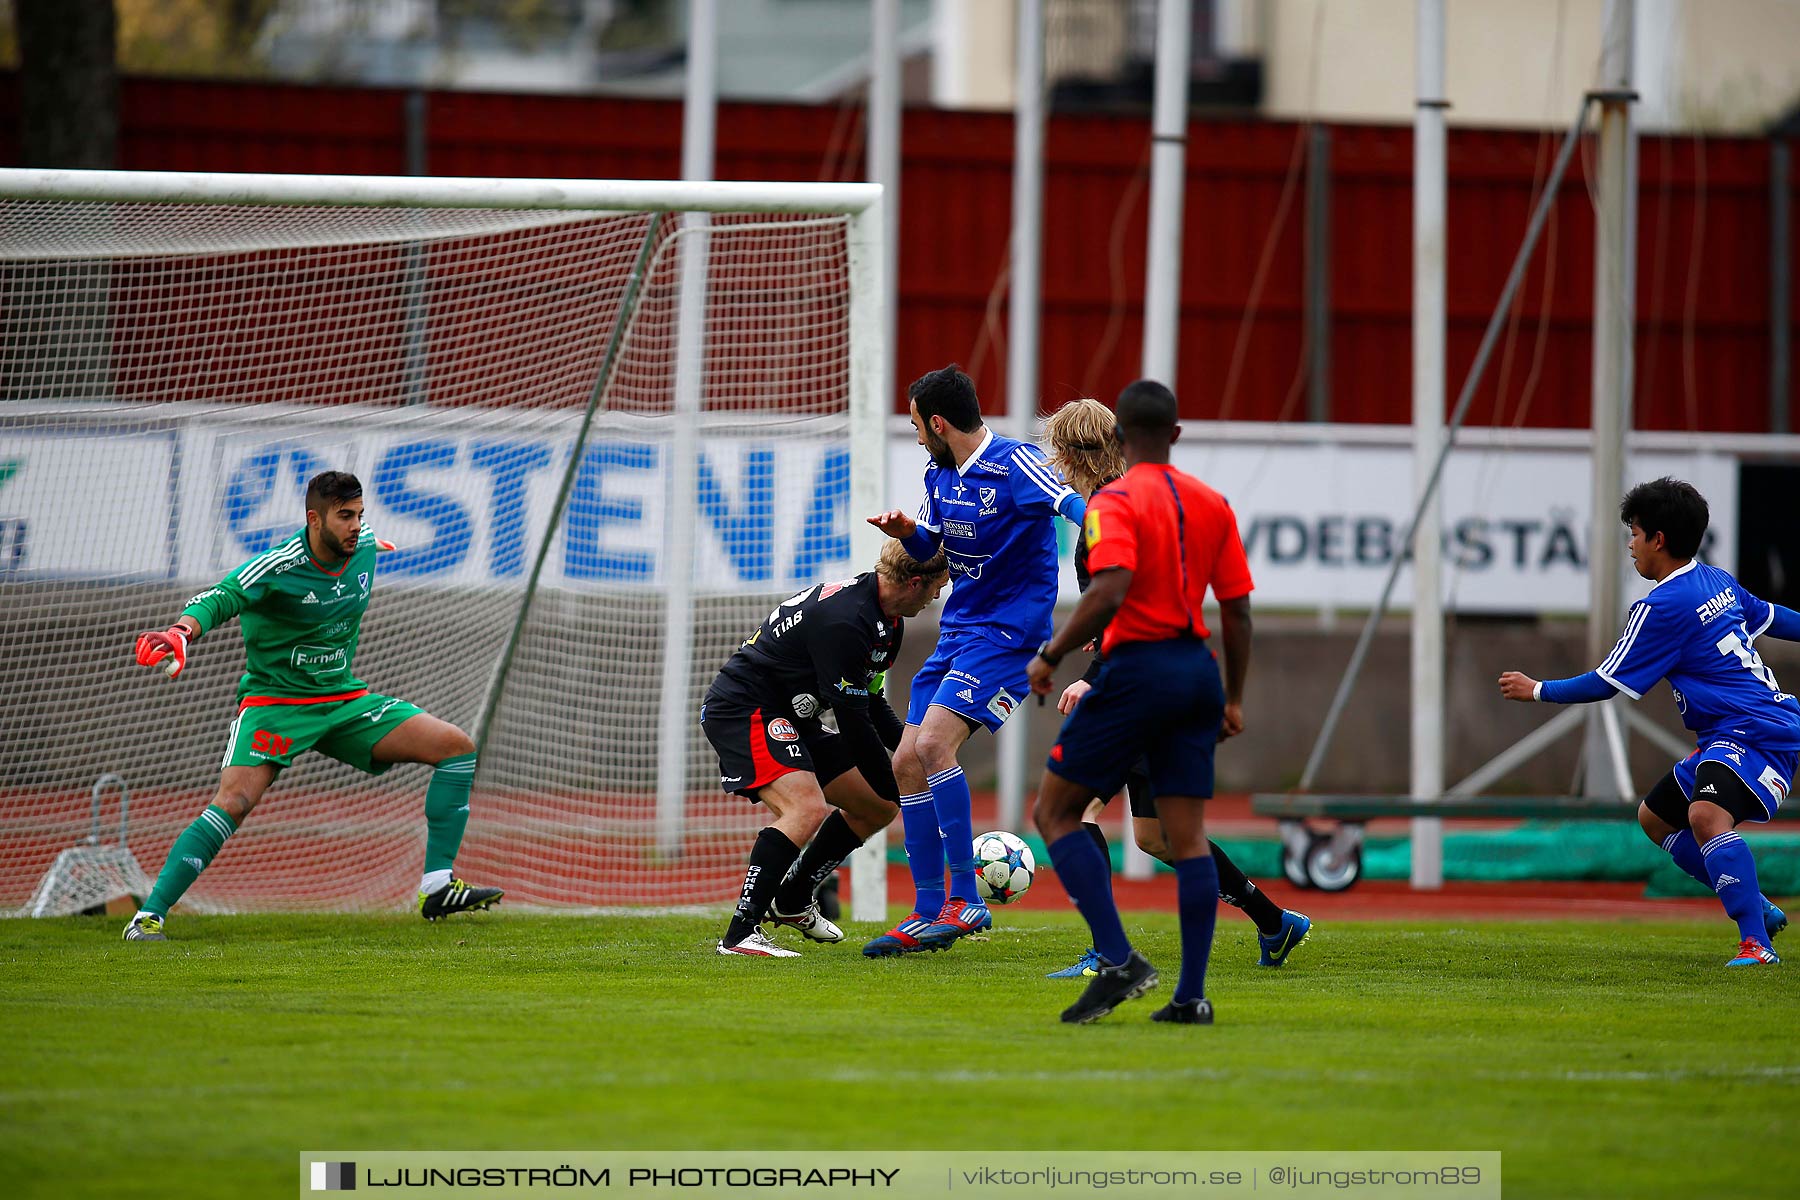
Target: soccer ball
{"type": "Point", "coordinates": [1003, 867]}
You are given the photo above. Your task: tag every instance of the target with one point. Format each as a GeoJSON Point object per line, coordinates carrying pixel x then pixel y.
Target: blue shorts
{"type": "Point", "coordinates": [973, 676]}
{"type": "Point", "coordinates": [1158, 701]}
{"type": "Point", "coordinates": [1768, 774]}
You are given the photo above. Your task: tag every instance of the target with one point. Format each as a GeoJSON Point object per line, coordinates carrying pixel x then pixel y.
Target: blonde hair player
{"type": "Point", "coordinates": [1084, 446]}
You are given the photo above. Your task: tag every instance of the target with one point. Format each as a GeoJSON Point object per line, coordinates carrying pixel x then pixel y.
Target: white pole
{"type": "Point", "coordinates": [1428, 436]}
{"type": "Point", "coordinates": [1615, 279]}
{"type": "Point", "coordinates": [1013, 742]}
{"type": "Point", "coordinates": [1168, 162]}
{"type": "Point", "coordinates": [872, 384]}
{"type": "Point", "coordinates": [676, 712]}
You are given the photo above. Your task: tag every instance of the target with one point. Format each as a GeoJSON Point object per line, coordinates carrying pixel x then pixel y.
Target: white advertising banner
{"type": "Point", "coordinates": [91, 502]}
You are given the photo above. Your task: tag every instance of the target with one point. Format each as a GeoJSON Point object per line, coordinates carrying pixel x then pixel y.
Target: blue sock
{"type": "Point", "coordinates": [1733, 874]}
{"type": "Point", "coordinates": [950, 797]}
{"type": "Point", "coordinates": [1087, 876]}
{"type": "Point", "coordinates": [924, 853]}
{"type": "Point", "coordinates": [1197, 899]}
{"type": "Point", "coordinates": [1686, 852]}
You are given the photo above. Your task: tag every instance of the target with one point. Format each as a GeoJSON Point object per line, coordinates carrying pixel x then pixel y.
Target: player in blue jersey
{"type": "Point", "coordinates": [1698, 628]}
{"type": "Point", "coordinates": [990, 505]}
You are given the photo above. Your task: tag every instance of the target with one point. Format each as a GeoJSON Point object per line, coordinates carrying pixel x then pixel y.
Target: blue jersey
{"type": "Point", "coordinates": [995, 519]}
{"type": "Point", "coordinates": [1698, 628]}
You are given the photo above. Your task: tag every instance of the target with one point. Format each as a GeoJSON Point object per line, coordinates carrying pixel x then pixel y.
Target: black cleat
{"type": "Point", "coordinates": [1111, 987]}
{"type": "Point", "coordinates": [1186, 1012]}
{"type": "Point", "coordinates": [456, 897]}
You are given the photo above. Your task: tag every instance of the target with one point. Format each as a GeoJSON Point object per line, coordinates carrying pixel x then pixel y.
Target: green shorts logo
{"type": "Point", "coordinates": [319, 661]}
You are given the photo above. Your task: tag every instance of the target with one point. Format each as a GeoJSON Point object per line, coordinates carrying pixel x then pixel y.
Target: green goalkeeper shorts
{"type": "Point", "coordinates": [346, 730]}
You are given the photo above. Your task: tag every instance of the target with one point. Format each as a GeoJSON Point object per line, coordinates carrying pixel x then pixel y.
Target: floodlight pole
{"type": "Point", "coordinates": [1615, 278]}
{"type": "Point", "coordinates": [1427, 773]}
{"type": "Point", "coordinates": [1168, 164]}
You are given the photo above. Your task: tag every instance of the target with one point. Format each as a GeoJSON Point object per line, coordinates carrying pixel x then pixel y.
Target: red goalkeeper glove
{"type": "Point", "coordinates": [168, 648]}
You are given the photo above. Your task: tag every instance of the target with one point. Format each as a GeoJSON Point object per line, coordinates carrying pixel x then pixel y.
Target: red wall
{"type": "Point", "coordinates": [1703, 275]}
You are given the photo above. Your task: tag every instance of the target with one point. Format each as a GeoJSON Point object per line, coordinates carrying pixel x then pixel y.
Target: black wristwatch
{"type": "Point", "coordinates": [1043, 652]}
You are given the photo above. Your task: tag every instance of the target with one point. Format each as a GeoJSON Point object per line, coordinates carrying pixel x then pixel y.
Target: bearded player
{"type": "Point", "coordinates": [300, 606]}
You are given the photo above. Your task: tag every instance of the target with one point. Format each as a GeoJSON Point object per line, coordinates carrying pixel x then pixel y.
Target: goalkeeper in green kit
{"type": "Point", "coordinates": [300, 605]}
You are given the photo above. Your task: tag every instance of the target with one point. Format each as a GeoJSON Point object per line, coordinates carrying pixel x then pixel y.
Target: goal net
{"type": "Point", "coordinates": [607, 425]}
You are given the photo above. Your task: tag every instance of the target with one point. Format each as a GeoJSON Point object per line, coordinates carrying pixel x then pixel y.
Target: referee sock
{"type": "Point", "coordinates": [1236, 890]}
{"type": "Point", "coordinates": [1086, 875]}
{"type": "Point", "coordinates": [447, 811]}
{"type": "Point", "coordinates": [770, 858]}
{"type": "Point", "coordinates": [950, 797]}
{"type": "Point", "coordinates": [829, 847]}
{"type": "Point", "coordinates": [1197, 898]}
{"type": "Point", "coordinates": [197, 846]}
{"type": "Point", "coordinates": [1733, 873]}
{"type": "Point", "coordinates": [924, 853]}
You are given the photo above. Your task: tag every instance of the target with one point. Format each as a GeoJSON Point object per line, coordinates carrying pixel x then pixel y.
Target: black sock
{"type": "Point", "coordinates": [829, 847]}
{"type": "Point", "coordinates": [1099, 836]}
{"type": "Point", "coordinates": [1236, 890]}
{"type": "Point", "coordinates": [770, 859]}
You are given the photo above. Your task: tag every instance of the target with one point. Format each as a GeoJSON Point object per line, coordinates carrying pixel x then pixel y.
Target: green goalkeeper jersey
{"type": "Point", "coordinates": [300, 621]}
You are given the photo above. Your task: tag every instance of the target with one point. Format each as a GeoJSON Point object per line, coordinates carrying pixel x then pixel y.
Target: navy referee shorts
{"type": "Point", "coordinates": [1159, 701]}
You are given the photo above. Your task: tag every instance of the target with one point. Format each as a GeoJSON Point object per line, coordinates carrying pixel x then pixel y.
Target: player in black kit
{"type": "Point", "coordinates": [827, 647]}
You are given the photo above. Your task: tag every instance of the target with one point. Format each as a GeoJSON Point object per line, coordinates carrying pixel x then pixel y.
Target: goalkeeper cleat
{"type": "Point", "coordinates": [145, 927]}
{"type": "Point", "coordinates": [455, 897]}
{"type": "Point", "coordinates": [812, 924]}
{"type": "Point", "coordinates": [1111, 987]}
{"type": "Point", "coordinates": [1185, 1012]}
{"type": "Point", "coordinates": [901, 939]}
{"type": "Point", "coordinates": [1752, 953]}
{"type": "Point", "coordinates": [1774, 920]}
{"type": "Point", "coordinates": [1277, 946]}
{"type": "Point", "coordinates": [1089, 965]}
{"type": "Point", "coordinates": [957, 919]}
{"type": "Point", "coordinates": [756, 945]}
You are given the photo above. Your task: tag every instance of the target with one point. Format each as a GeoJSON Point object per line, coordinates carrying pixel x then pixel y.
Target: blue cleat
{"type": "Point", "coordinates": [1752, 953]}
{"type": "Point", "coordinates": [901, 939]}
{"type": "Point", "coordinates": [1774, 920]}
{"type": "Point", "coordinates": [1277, 946]}
{"type": "Point", "coordinates": [958, 919]}
{"type": "Point", "coordinates": [1089, 965]}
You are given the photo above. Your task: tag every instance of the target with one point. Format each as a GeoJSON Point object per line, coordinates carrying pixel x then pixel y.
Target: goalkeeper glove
{"type": "Point", "coordinates": [168, 648]}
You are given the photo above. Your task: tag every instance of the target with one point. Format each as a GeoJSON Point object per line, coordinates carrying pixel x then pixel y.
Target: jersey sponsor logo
{"type": "Point", "coordinates": [805, 705]}
{"type": "Point", "coordinates": [845, 687]}
{"type": "Point", "coordinates": [961, 529]}
{"type": "Point", "coordinates": [1776, 785]}
{"type": "Point", "coordinates": [1002, 704]}
{"type": "Point", "coordinates": [988, 497]}
{"type": "Point", "coordinates": [321, 660]}
{"type": "Point", "coordinates": [270, 745]}
{"type": "Point", "coordinates": [958, 673]}
{"type": "Point", "coordinates": [311, 598]}
{"type": "Point", "coordinates": [731, 780]}
{"type": "Point", "coordinates": [967, 695]}
{"type": "Point", "coordinates": [970, 565]}
{"type": "Point", "coordinates": [782, 730]}
{"type": "Point", "coordinates": [831, 589]}
{"type": "Point", "coordinates": [1717, 607]}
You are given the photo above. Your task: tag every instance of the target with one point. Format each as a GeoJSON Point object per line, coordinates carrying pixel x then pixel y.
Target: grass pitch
{"type": "Point", "coordinates": [1610, 1059]}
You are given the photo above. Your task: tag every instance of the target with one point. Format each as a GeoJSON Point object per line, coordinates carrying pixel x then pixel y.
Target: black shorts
{"type": "Point", "coordinates": [1730, 793]}
{"type": "Point", "coordinates": [756, 748]}
{"type": "Point", "coordinates": [1138, 791]}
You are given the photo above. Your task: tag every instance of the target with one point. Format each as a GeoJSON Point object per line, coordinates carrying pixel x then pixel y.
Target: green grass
{"type": "Point", "coordinates": [1612, 1059]}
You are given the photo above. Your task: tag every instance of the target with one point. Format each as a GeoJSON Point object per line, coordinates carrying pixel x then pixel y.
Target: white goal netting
{"type": "Point", "coordinates": [174, 372]}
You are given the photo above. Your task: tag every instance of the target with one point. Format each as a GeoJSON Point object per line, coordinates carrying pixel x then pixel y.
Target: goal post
{"type": "Point", "coordinates": [498, 361]}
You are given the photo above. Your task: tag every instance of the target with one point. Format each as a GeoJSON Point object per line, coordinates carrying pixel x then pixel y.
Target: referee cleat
{"type": "Point", "coordinates": [1088, 966]}
{"type": "Point", "coordinates": [811, 923]}
{"type": "Point", "coordinates": [1774, 920]}
{"type": "Point", "coordinates": [1185, 1012]}
{"type": "Point", "coordinates": [1752, 953]}
{"type": "Point", "coordinates": [1111, 987]}
{"type": "Point", "coordinates": [1277, 946]}
{"type": "Point", "coordinates": [145, 927]}
{"type": "Point", "coordinates": [901, 939]}
{"type": "Point", "coordinates": [455, 897]}
{"type": "Point", "coordinates": [957, 919]}
{"type": "Point", "coordinates": [756, 944]}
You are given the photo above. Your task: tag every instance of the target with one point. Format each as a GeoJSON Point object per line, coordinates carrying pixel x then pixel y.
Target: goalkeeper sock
{"type": "Point", "coordinates": [950, 797]}
{"type": "Point", "coordinates": [829, 847]}
{"type": "Point", "coordinates": [924, 853]}
{"type": "Point", "coordinates": [197, 846]}
{"type": "Point", "coordinates": [770, 858]}
{"type": "Point", "coordinates": [1236, 890]}
{"type": "Point", "coordinates": [1197, 900]}
{"type": "Point", "coordinates": [447, 811]}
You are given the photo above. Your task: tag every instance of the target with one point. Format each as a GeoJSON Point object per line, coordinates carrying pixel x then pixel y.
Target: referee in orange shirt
{"type": "Point", "coordinates": [1156, 539]}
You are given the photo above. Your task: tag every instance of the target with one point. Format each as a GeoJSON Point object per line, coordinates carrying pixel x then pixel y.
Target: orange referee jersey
{"type": "Point", "coordinates": [1177, 537]}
